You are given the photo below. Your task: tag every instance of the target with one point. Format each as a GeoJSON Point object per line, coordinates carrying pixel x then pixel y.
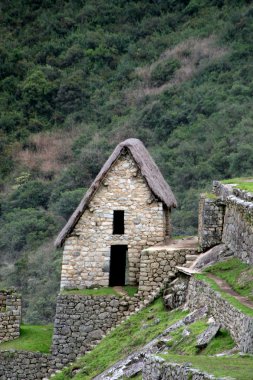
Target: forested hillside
{"type": "Point", "coordinates": [77, 77]}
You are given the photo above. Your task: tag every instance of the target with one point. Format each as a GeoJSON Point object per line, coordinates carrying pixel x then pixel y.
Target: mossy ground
{"type": "Point", "coordinates": [32, 338]}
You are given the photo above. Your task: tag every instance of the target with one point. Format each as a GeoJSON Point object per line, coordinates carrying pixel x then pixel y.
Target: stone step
{"type": "Point", "coordinates": [191, 257]}
{"type": "Point", "coordinates": [188, 264]}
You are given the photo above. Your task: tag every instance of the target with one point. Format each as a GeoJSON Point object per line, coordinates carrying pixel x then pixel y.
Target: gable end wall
{"type": "Point", "coordinates": [86, 256]}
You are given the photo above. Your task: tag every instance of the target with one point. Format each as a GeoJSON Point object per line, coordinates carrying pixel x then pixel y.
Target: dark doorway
{"type": "Point", "coordinates": [118, 222]}
{"type": "Point", "coordinates": [118, 265]}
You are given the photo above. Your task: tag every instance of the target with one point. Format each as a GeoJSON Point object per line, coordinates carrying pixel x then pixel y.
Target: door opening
{"type": "Point", "coordinates": [118, 265]}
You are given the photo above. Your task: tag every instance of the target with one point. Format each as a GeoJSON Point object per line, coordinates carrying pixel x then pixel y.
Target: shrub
{"type": "Point", "coordinates": [31, 195]}
{"type": "Point", "coordinates": [164, 71]}
{"type": "Point", "coordinates": [67, 202]}
{"type": "Point", "coordinates": [22, 228]}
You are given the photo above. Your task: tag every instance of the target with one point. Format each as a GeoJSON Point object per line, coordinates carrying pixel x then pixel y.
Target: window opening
{"type": "Point", "coordinates": [118, 222]}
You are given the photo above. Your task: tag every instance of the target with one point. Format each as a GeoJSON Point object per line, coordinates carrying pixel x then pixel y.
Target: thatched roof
{"type": "Point", "coordinates": [148, 169]}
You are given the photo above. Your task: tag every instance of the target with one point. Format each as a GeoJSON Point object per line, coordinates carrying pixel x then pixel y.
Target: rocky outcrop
{"type": "Point", "coordinates": [205, 338]}
{"type": "Point", "coordinates": [175, 292]}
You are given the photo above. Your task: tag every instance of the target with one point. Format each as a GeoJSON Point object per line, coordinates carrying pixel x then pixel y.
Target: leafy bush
{"type": "Point", "coordinates": [164, 71]}
{"type": "Point", "coordinates": [22, 228]}
{"type": "Point", "coordinates": [68, 202]}
{"type": "Point", "coordinates": [31, 194]}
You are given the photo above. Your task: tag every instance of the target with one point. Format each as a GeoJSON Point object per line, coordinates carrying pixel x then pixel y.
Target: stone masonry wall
{"type": "Point", "coordinates": [240, 325]}
{"type": "Point", "coordinates": [86, 257]}
{"type": "Point", "coordinates": [82, 321]}
{"type": "Point", "coordinates": [156, 368]}
{"type": "Point", "coordinates": [238, 228]}
{"type": "Point", "coordinates": [211, 215]}
{"type": "Point", "coordinates": [10, 315]}
{"type": "Point", "coordinates": [158, 265]}
{"type": "Point", "coordinates": [24, 365]}
{"type": "Point", "coordinates": [238, 220]}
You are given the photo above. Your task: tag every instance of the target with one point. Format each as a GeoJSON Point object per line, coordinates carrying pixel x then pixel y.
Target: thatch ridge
{"type": "Point", "coordinates": [148, 169]}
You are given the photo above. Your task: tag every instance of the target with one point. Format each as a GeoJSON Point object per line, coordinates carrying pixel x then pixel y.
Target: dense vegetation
{"type": "Point", "coordinates": [77, 77]}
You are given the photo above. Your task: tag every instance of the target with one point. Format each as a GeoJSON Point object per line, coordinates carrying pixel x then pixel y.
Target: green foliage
{"type": "Point", "coordinates": [22, 228]}
{"type": "Point", "coordinates": [31, 194]}
{"type": "Point", "coordinates": [164, 71]}
{"type": "Point", "coordinates": [68, 201]}
{"type": "Point", "coordinates": [32, 338]}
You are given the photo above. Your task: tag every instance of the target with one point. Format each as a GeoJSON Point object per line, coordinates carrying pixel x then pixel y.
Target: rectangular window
{"type": "Point", "coordinates": [118, 222]}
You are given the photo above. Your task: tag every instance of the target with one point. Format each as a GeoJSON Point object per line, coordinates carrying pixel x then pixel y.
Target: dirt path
{"type": "Point", "coordinates": [226, 288]}
{"type": "Point", "coordinates": [120, 290]}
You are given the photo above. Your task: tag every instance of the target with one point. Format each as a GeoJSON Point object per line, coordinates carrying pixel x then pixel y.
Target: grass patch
{"type": "Point", "coordinates": [241, 183]}
{"type": "Point", "coordinates": [32, 338]}
{"type": "Point", "coordinates": [131, 290]}
{"type": "Point", "coordinates": [186, 345]}
{"type": "Point", "coordinates": [237, 274]}
{"type": "Point", "coordinates": [210, 196]}
{"type": "Point", "coordinates": [238, 367]}
{"type": "Point", "coordinates": [92, 292]}
{"type": "Point", "coordinates": [233, 301]}
{"type": "Point", "coordinates": [125, 339]}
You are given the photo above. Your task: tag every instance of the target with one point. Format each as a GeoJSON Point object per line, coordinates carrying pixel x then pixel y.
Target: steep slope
{"type": "Point", "coordinates": [78, 77]}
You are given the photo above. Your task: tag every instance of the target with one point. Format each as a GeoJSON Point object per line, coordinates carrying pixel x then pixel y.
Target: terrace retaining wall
{"type": "Point", "coordinates": [227, 219]}
{"type": "Point", "coordinates": [158, 264]}
{"type": "Point", "coordinates": [156, 368]}
{"type": "Point", "coordinates": [10, 315]}
{"type": "Point", "coordinates": [23, 365]}
{"type": "Point", "coordinates": [239, 325]}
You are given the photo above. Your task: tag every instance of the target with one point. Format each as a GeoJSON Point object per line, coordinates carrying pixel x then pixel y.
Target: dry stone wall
{"type": "Point", "coordinates": [227, 219]}
{"type": "Point", "coordinates": [82, 321]}
{"type": "Point", "coordinates": [240, 325]}
{"type": "Point", "coordinates": [156, 368]}
{"type": "Point", "coordinates": [158, 266]}
{"type": "Point", "coordinates": [24, 365]}
{"type": "Point", "coordinates": [10, 315]}
{"type": "Point", "coordinates": [238, 228]}
{"type": "Point", "coordinates": [86, 257]}
{"type": "Point", "coordinates": [211, 216]}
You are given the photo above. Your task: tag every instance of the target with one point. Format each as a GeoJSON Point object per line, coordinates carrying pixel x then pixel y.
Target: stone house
{"type": "Point", "coordinates": [126, 209]}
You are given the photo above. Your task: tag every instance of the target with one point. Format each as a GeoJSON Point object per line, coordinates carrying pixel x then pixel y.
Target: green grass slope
{"type": "Point", "coordinates": [77, 77]}
{"type": "Point", "coordinates": [138, 330]}
{"type": "Point", "coordinates": [134, 333]}
{"type": "Point", "coordinates": [32, 338]}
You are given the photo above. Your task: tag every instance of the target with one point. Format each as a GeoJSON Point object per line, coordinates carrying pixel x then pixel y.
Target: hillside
{"type": "Point", "coordinates": [77, 77]}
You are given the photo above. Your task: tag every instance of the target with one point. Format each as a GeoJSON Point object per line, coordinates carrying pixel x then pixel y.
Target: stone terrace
{"type": "Point", "coordinates": [158, 263]}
